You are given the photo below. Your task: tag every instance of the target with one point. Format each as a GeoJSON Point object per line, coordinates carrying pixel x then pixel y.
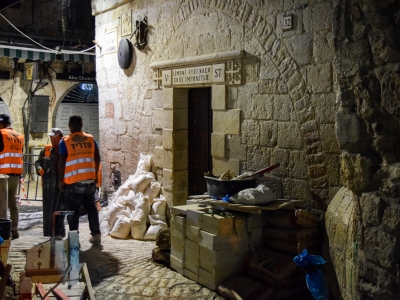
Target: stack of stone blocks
{"type": "Point", "coordinates": [207, 247]}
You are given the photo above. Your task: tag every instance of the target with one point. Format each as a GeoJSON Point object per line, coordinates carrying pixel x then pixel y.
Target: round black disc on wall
{"type": "Point", "coordinates": [125, 53]}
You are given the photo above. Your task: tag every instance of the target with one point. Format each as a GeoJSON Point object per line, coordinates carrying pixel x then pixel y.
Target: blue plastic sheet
{"type": "Point", "coordinates": [315, 280]}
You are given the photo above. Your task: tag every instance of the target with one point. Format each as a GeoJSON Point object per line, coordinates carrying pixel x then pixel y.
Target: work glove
{"type": "Point", "coordinates": [41, 171]}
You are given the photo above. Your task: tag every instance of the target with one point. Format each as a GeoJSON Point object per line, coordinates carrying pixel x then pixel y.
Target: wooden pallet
{"type": "Point", "coordinates": [253, 209]}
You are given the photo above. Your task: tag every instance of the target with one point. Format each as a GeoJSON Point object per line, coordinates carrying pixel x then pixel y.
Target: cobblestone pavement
{"type": "Point", "coordinates": [119, 269]}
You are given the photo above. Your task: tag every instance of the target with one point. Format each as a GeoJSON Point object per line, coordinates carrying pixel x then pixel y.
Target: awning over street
{"type": "Point", "coordinates": [43, 54]}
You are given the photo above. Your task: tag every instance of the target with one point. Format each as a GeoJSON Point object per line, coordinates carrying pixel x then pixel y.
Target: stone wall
{"type": "Point", "coordinates": [285, 99]}
{"type": "Point", "coordinates": [367, 60]}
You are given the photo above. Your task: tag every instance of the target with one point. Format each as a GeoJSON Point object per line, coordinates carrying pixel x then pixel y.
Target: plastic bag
{"type": "Point", "coordinates": [316, 283]}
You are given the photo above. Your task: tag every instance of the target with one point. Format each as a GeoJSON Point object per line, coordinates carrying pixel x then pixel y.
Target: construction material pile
{"type": "Point", "coordinates": [137, 208]}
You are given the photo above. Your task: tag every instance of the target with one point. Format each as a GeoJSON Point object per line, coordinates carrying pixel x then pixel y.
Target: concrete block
{"type": "Point", "coordinates": [182, 209]}
{"type": "Point", "coordinates": [178, 222]}
{"type": "Point", "coordinates": [177, 268]}
{"type": "Point", "coordinates": [217, 243]}
{"type": "Point", "coordinates": [208, 283]}
{"type": "Point", "coordinates": [218, 278]}
{"type": "Point", "coordinates": [192, 233]}
{"type": "Point", "coordinates": [191, 275]}
{"type": "Point", "coordinates": [216, 261]}
{"type": "Point", "coordinates": [195, 217]}
{"type": "Point", "coordinates": [177, 262]}
{"type": "Point", "coordinates": [224, 226]}
{"type": "Point", "coordinates": [176, 226]}
{"type": "Point", "coordinates": [177, 254]}
{"type": "Point", "coordinates": [175, 159]}
{"type": "Point", "coordinates": [192, 245]}
{"type": "Point", "coordinates": [177, 234]}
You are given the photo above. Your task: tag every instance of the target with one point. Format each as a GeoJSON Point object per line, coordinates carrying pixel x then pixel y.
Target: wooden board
{"type": "Point", "coordinates": [253, 209]}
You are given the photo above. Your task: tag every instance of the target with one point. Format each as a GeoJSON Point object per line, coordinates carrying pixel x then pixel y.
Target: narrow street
{"type": "Point", "coordinates": [119, 269]}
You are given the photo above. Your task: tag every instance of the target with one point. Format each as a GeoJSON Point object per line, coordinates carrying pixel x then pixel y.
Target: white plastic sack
{"type": "Point", "coordinates": [138, 224]}
{"type": "Point", "coordinates": [130, 200]}
{"type": "Point", "coordinates": [145, 164]}
{"type": "Point", "coordinates": [152, 190]}
{"type": "Point", "coordinates": [156, 224]}
{"type": "Point", "coordinates": [259, 195]}
{"type": "Point", "coordinates": [121, 228]}
{"type": "Point", "coordinates": [139, 184]}
{"type": "Point", "coordinates": [158, 207]}
{"type": "Point", "coordinates": [110, 213]}
{"type": "Point", "coordinates": [104, 227]}
{"type": "Point", "coordinates": [123, 190]}
{"type": "Point", "coordinates": [144, 206]}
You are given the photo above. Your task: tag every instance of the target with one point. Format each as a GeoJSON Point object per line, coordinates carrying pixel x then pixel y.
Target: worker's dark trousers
{"type": "Point", "coordinates": [82, 193]}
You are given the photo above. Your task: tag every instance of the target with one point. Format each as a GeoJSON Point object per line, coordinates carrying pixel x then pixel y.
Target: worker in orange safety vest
{"type": "Point", "coordinates": [78, 175]}
{"type": "Point", "coordinates": [11, 164]}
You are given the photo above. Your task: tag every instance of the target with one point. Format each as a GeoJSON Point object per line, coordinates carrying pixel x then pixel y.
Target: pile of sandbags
{"type": "Point", "coordinates": [136, 208]}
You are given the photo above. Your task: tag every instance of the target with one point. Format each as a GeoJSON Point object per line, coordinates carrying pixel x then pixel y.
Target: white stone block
{"type": "Point", "coordinates": [218, 278]}
{"type": "Point", "coordinates": [217, 243]}
{"type": "Point", "coordinates": [175, 261]}
{"type": "Point", "coordinates": [192, 233]}
{"type": "Point", "coordinates": [177, 234]}
{"type": "Point", "coordinates": [191, 275]}
{"type": "Point", "coordinates": [195, 217]}
{"type": "Point", "coordinates": [178, 222]}
{"type": "Point", "coordinates": [182, 209]}
{"type": "Point", "coordinates": [226, 226]}
{"type": "Point", "coordinates": [192, 245]}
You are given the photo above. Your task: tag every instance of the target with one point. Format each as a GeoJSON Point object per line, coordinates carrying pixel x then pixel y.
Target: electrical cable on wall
{"type": "Point", "coordinates": [44, 47]}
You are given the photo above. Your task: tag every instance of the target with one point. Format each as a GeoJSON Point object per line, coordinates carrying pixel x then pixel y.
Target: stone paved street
{"type": "Point", "coordinates": [119, 269]}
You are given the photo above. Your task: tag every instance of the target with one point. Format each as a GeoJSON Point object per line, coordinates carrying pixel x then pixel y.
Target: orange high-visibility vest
{"type": "Point", "coordinates": [100, 177]}
{"type": "Point", "coordinates": [47, 149]}
{"type": "Point", "coordinates": [11, 158]}
{"type": "Point", "coordinates": [80, 164]}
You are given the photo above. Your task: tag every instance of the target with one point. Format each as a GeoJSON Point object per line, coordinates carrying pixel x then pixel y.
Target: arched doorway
{"type": "Point", "coordinates": [81, 100]}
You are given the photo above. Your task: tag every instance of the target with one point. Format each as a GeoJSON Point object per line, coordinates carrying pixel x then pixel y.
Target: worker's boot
{"type": "Point", "coordinates": [95, 239]}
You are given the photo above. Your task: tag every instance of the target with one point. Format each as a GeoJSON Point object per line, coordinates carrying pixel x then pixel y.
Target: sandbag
{"type": "Point", "coordinates": [130, 200]}
{"type": "Point", "coordinates": [138, 224]}
{"type": "Point", "coordinates": [259, 195]}
{"type": "Point", "coordinates": [104, 227]}
{"type": "Point", "coordinates": [139, 184]}
{"type": "Point", "coordinates": [145, 164]}
{"type": "Point", "coordinates": [298, 218]}
{"type": "Point", "coordinates": [121, 228]}
{"type": "Point", "coordinates": [144, 205]}
{"type": "Point", "coordinates": [123, 190]}
{"type": "Point", "coordinates": [152, 190]}
{"type": "Point", "coordinates": [110, 213]}
{"type": "Point", "coordinates": [156, 224]}
{"type": "Point", "coordinates": [158, 207]}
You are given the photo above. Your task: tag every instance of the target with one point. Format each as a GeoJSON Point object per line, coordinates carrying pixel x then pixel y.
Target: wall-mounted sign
{"type": "Point", "coordinates": [111, 36]}
{"type": "Point", "coordinates": [74, 77]}
{"type": "Point", "coordinates": [194, 75]}
{"type": "Point", "coordinates": [288, 22]}
{"type": "Point", "coordinates": [126, 23]}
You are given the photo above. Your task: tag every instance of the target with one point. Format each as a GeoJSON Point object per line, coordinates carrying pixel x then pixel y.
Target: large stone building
{"type": "Point", "coordinates": [240, 85]}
